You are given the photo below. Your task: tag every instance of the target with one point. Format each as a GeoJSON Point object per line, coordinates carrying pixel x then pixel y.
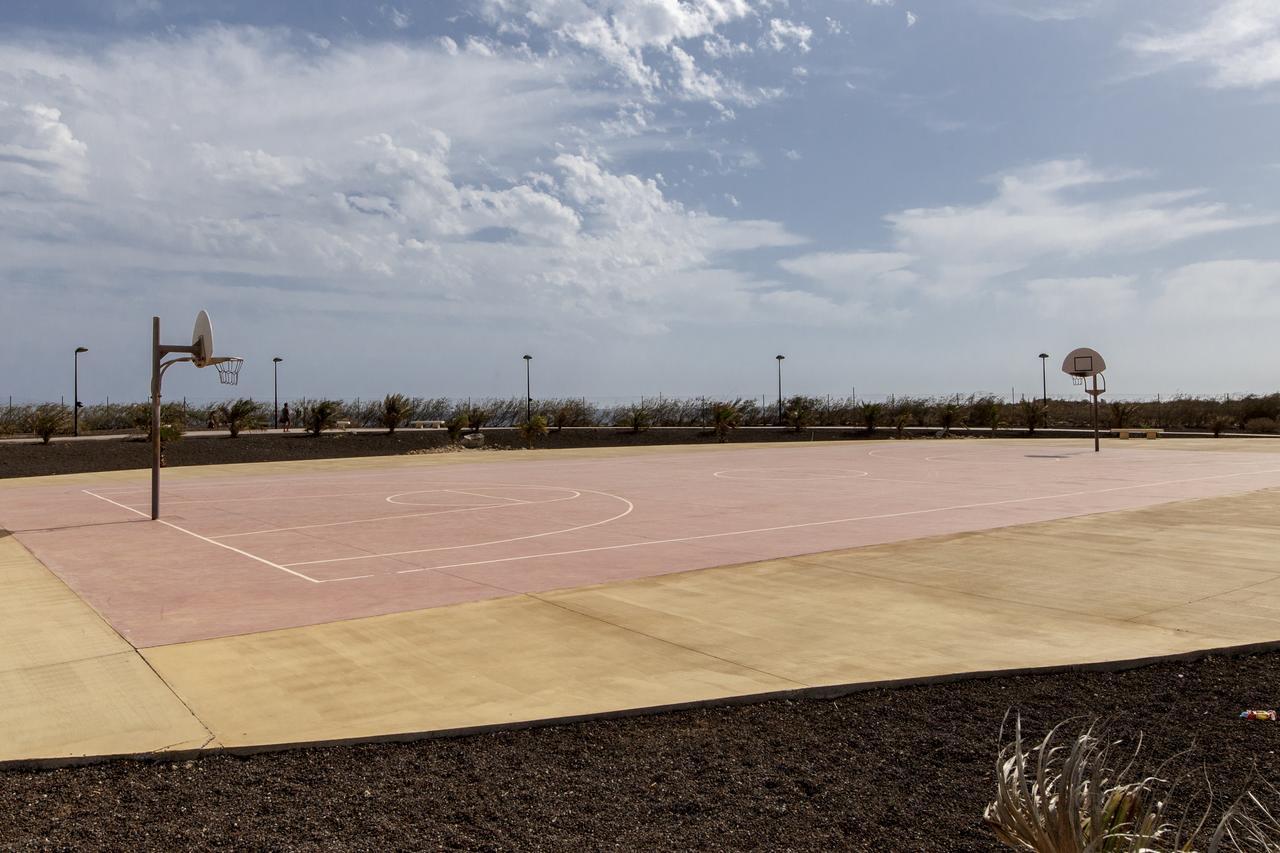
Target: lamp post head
{"type": "Point", "coordinates": [779, 357]}
{"type": "Point", "coordinates": [81, 349]}
{"type": "Point", "coordinates": [277, 360]}
{"type": "Point", "coordinates": [528, 358]}
{"type": "Point", "coordinates": [1044, 355]}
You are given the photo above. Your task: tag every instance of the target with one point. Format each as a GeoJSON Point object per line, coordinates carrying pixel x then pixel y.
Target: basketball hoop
{"type": "Point", "coordinates": [228, 369]}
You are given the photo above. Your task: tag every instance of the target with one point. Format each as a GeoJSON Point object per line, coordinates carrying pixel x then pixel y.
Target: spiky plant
{"type": "Point", "coordinates": [49, 419]}
{"type": "Point", "coordinates": [395, 411]}
{"type": "Point", "coordinates": [901, 421]}
{"type": "Point", "coordinates": [320, 415]}
{"type": "Point", "coordinates": [533, 429]}
{"type": "Point", "coordinates": [239, 415]}
{"type": "Point", "coordinates": [724, 418]}
{"type": "Point", "coordinates": [1068, 797]}
{"type": "Point", "coordinates": [1032, 412]}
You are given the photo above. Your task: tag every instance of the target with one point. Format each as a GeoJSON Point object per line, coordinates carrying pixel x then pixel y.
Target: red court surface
{"type": "Point", "coordinates": [256, 552]}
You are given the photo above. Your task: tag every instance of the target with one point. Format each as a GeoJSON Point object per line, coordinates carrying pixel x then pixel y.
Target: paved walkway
{"type": "Point", "coordinates": [1126, 584]}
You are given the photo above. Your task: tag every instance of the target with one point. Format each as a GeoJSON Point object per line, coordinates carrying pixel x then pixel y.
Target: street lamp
{"type": "Point", "coordinates": [528, 394]}
{"type": "Point", "coordinates": [1045, 381]}
{"type": "Point", "coordinates": [780, 358]}
{"type": "Point", "coordinates": [75, 392]}
{"type": "Point", "coordinates": [275, 386]}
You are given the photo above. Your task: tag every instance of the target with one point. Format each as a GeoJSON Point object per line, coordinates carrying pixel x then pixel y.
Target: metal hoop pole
{"type": "Point", "coordinates": [1096, 443]}
{"type": "Point", "coordinates": [155, 418]}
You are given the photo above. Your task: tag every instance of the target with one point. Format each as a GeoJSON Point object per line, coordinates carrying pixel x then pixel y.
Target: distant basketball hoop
{"type": "Point", "coordinates": [199, 353]}
{"type": "Point", "coordinates": [1081, 364]}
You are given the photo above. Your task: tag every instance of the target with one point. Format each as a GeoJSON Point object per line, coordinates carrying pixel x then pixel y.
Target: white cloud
{"type": "Point", "coordinates": [783, 34]}
{"type": "Point", "coordinates": [911, 18]}
{"type": "Point", "coordinates": [848, 270]}
{"type": "Point", "coordinates": [1236, 290]}
{"type": "Point", "coordinates": [38, 151]}
{"type": "Point", "coordinates": [1047, 211]}
{"type": "Point", "coordinates": [621, 30]}
{"type": "Point", "coordinates": [1098, 297]}
{"type": "Point", "coordinates": [834, 27]}
{"type": "Point", "coordinates": [791, 154]}
{"type": "Point", "coordinates": [1239, 42]}
{"type": "Point", "coordinates": [719, 47]}
{"type": "Point", "coordinates": [385, 204]}
{"type": "Point", "coordinates": [398, 18]}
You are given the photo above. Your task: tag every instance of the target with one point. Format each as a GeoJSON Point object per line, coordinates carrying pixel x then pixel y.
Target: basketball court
{"type": "Point", "coordinates": [280, 602]}
{"type": "Point", "coordinates": [240, 554]}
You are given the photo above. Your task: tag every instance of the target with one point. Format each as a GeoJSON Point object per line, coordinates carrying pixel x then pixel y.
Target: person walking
{"type": "Point", "coordinates": [285, 417]}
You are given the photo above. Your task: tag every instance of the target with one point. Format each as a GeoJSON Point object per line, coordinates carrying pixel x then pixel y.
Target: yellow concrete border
{"type": "Point", "coordinates": [69, 685]}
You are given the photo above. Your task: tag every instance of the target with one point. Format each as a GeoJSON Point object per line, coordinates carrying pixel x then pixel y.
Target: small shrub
{"type": "Point", "coordinates": [638, 418]}
{"type": "Point", "coordinates": [1218, 424]}
{"type": "Point", "coordinates": [1122, 414]}
{"type": "Point", "coordinates": [395, 411]}
{"type": "Point", "coordinates": [320, 415]}
{"type": "Point", "coordinates": [49, 419]}
{"type": "Point", "coordinates": [1260, 425]}
{"type": "Point", "coordinates": [533, 429]}
{"type": "Point", "coordinates": [900, 423]}
{"type": "Point", "coordinates": [988, 412]}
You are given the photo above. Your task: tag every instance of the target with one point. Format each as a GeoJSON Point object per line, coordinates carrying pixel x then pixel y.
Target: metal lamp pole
{"type": "Point", "coordinates": [75, 393]}
{"type": "Point", "coordinates": [528, 393]}
{"type": "Point", "coordinates": [1044, 380]}
{"type": "Point", "coordinates": [275, 388]}
{"type": "Point", "coordinates": [780, 359]}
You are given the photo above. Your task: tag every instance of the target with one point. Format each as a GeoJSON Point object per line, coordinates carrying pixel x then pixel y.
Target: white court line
{"type": "Point", "coordinates": [627, 511]}
{"type": "Point", "coordinates": [169, 501]}
{"type": "Point", "coordinates": [821, 523]}
{"type": "Point", "coordinates": [727, 474]}
{"type": "Point", "coordinates": [576, 494]}
{"type": "Point", "coordinates": [205, 538]}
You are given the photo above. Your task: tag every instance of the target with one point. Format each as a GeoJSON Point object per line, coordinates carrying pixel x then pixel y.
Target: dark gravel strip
{"type": "Point", "coordinates": [77, 457]}
{"type": "Point", "coordinates": [905, 769]}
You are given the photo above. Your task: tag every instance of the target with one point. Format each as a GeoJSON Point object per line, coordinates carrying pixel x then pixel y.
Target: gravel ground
{"type": "Point", "coordinates": [74, 457]}
{"type": "Point", "coordinates": [907, 769]}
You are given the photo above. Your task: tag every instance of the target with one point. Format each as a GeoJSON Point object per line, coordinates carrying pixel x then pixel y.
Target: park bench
{"type": "Point", "coordinates": [427, 424]}
{"type": "Point", "coordinates": [343, 425]}
{"type": "Point", "coordinates": [1125, 432]}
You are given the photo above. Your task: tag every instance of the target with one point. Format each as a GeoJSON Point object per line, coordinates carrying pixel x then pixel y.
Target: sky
{"type": "Point", "coordinates": [647, 196]}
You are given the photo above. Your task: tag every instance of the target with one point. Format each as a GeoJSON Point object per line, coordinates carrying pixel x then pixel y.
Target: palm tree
{"type": "Point", "coordinates": [871, 414]}
{"type": "Point", "coordinates": [320, 415]}
{"type": "Point", "coordinates": [456, 423]}
{"type": "Point", "coordinates": [724, 417]}
{"type": "Point", "coordinates": [798, 414]}
{"type": "Point", "coordinates": [395, 411]}
{"type": "Point", "coordinates": [533, 429]}
{"type": "Point", "coordinates": [948, 416]}
{"type": "Point", "coordinates": [1032, 412]}
{"type": "Point", "coordinates": [239, 415]}
{"type": "Point", "coordinates": [988, 412]}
